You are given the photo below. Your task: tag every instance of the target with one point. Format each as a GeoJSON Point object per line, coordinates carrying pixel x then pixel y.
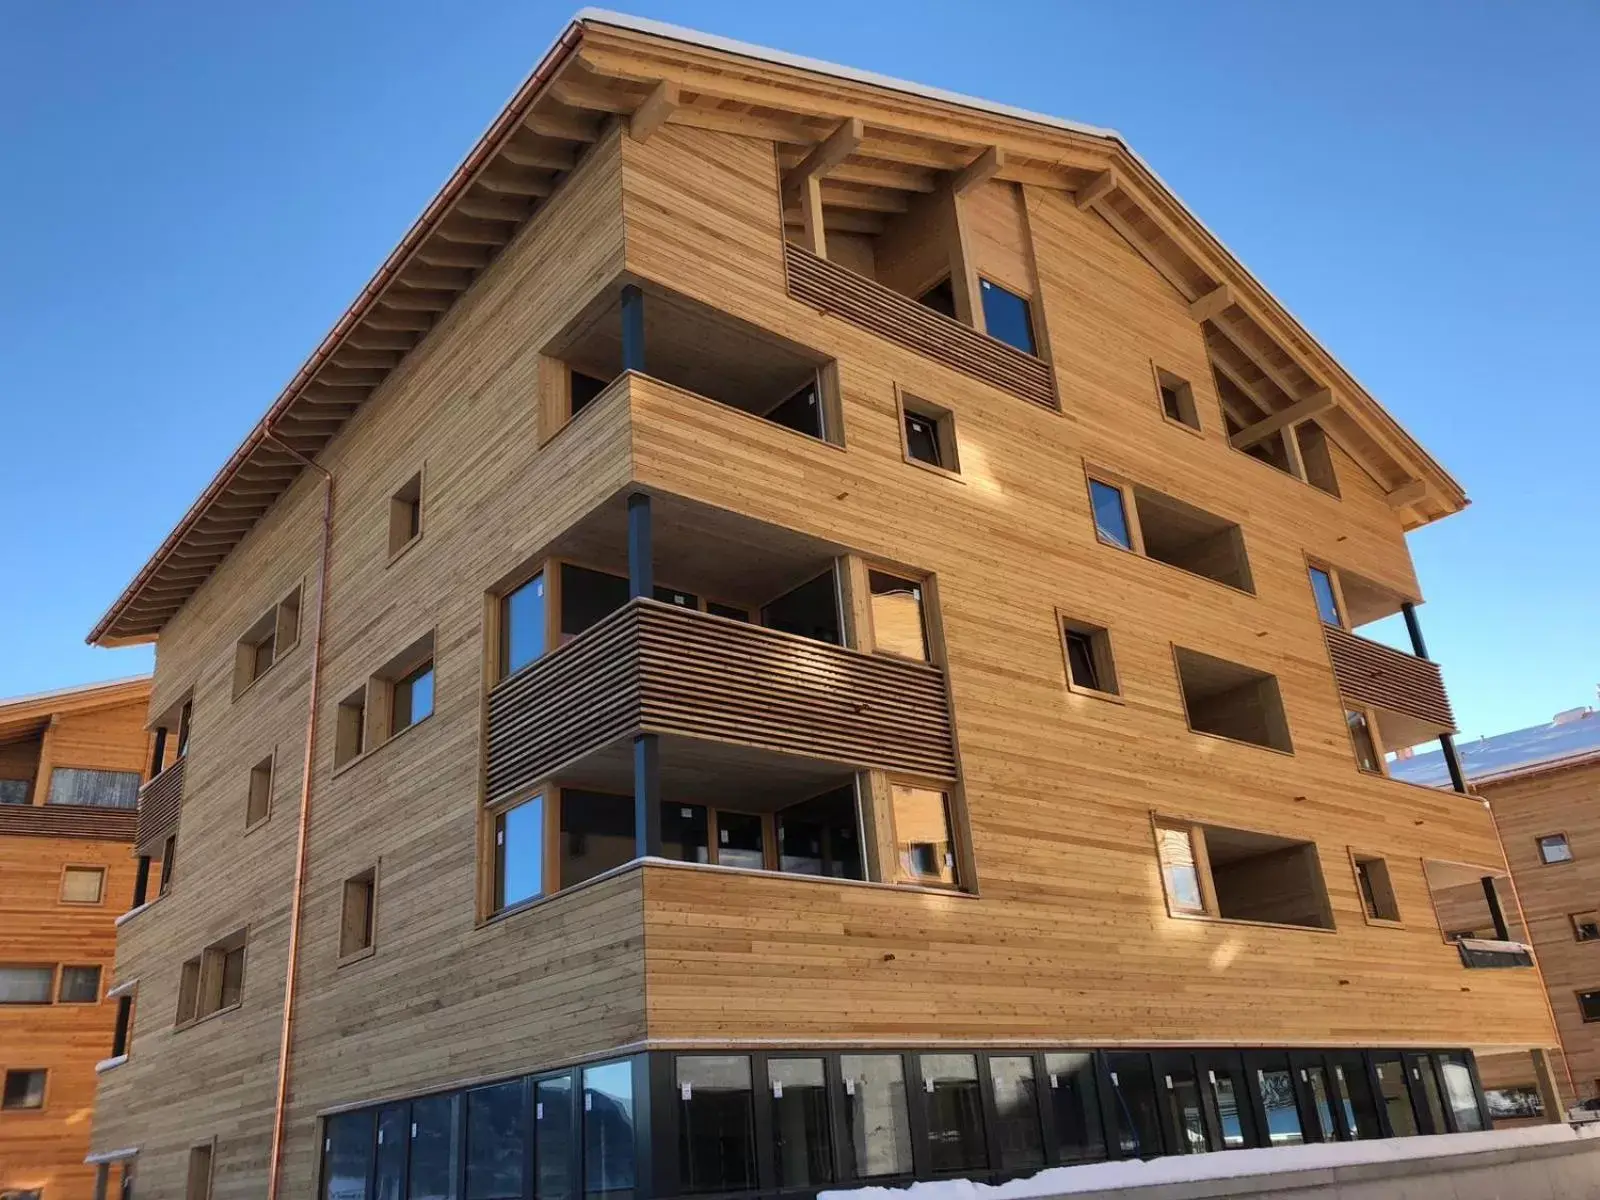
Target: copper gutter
{"type": "Point", "coordinates": [500, 131]}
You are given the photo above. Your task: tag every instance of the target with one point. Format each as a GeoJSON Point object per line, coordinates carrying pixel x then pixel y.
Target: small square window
{"type": "Point", "coordinates": [14, 791]}
{"type": "Point", "coordinates": [583, 390]}
{"type": "Point", "coordinates": [1589, 1005]}
{"type": "Point", "coordinates": [24, 1089]}
{"type": "Point", "coordinates": [83, 885]}
{"type": "Point", "coordinates": [1110, 514]}
{"type": "Point", "coordinates": [1585, 925]}
{"type": "Point", "coordinates": [1007, 316]}
{"type": "Point", "coordinates": [359, 911]}
{"type": "Point", "coordinates": [924, 845]}
{"type": "Point", "coordinates": [1090, 667]}
{"type": "Point", "coordinates": [1177, 399]}
{"type": "Point", "coordinates": [1377, 894]}
{"type": "Point", "coordinates": [929, 434]}
{"type": "Point", "coordinates": [79, 985]}
{"type": "Point", "coordinates": [258, 804]}
{"type": "Point", "coordinates": [1553, 848]}
{"type": "Point", "coordinates": [405, 514]}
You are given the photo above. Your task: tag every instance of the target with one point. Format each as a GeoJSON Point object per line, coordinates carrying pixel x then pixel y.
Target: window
{"type": "Point", "coordinates": [519, 853]}
{"type": "Point", "coordinates": [821, 836]}
{"type": "Point", "coordinates": [350, 731]}
{"type": "Point", "coordinates": [1589, 1005]}
{"type": "Point", "coordinates": [810, 610]}
{"type": "Point", "coordinates": [1074, 1107]}
{"type": "Point", "coordinates": [496, 1119]}
{"type": "Point", "coordinates": [1089, 664]}
{"type": "Point", "coordinates": [608, 1136]}
{"type": "Point", "coordinates": [79, 985]}
{"type": "Point", "coordinates": [1177, 399]}
{"type": "Point", "coordinates": [924, 847]}
{"type": "Point", "coordinates": [1136, 1110]}
{"type": "Point", "coordinates": [716, 1123]}
{"type": "Point", "coordinates": [94, 789]}
{"type": "Point", "coordinates": [405, 515]}
{"type": "Point", "coordinates": [1585, 925]}
{"type": "Point", "coordinates": [1110, 514]}
{"type": "Point", "coordinates": [1363, 739]}
{"type": "Point", "coordinates": [1377, 894]}
{"type": "Point", "coordinates": [685, 832]}
{"type": "Point", "coordinates": [412, 698]}
{"type": "Point", "coordinates": [124, 1024]}
{"type": "Point", "coordinates": [1553, 848]}
{"type": "Point", "coordinates": [258, 801]}
{"type": "Point", "coordinates": [24, 1089]}
{"type": "Point", "coordinates": [954, 1110]}
{"type": "Point", "coordinates": [583, 389]}
{"type": "Point", "coordinates": [198, 1184]}
{"type": "Point", "coordinates": [801, 411]}
{"type": "Point", "coordinates": [1512, 1103]}
{"type": "Point", "coordinates": [14, 791]}
{"type": "Point", "coordinates": [1315, 457]}
{"type": "Point", "coordinates": [265, 642]}
{"type": "Point", "coordinates": [1459, 1094]}
{"type": "Point", "coordinates": [1232, 701]}
{"type": "Point", "coordinates": [1007, 316]}
{"type": "Point", "coordinates": [82, 885]}
{"type": "Point", "coordinates": [347, 1149]}
{"type": "Point", "coordinates": [897, 622]}
{"type": "Point", "coordinates": [25, 1193]}
{"type": "Point", "coordinates": [1396, 1097]}
{"type": "Point", "coordinates": [801, 1129]}
{"type": "Point", "coordinates": [214, 981]}
{"type": "Point", "coordinates": [1327, 598]}
{"type": "Point", "coordinates": [877, 1127]}
{"type": "Point", "coordinates": [596, 834]}
{"type": "Point", "coordinates": [1241, 875]}
{"type": "Point", "coordinates": [26, 984]}
{"type": "Point", "coordinates": [522, 626]}
{"type": "Point", "coordinates": [741, 840]}
{"type": "Point", "coordinates": [169, 864]}
{"type": "Point", "coordinates": [553, 1117]}
{"type": "Point", "coordinates": [1191, 539]}
{"type": "Point", "coordinates": [435, 1159]}
{"type": "Point", "coordinates": [1278, 1102]}
{"type": "Point", "coordinates": [1355, 1097]}
{"type": "Point", "coordinates": [358, 913]}
{"type": "Point", "coordinates": [588, 597]}
{"type": "Point", "coordinates": [928, 434]}
{"type": "Point", "coordinates": [941, 297]}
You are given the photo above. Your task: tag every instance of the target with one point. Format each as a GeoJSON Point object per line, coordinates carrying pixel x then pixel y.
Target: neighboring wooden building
{"type": "Point", "coordinates": [1543, 785]}
{"type": "Point", "coordinates": [799, 597]}
{"type": "Point", "coordinates": [70, 767]}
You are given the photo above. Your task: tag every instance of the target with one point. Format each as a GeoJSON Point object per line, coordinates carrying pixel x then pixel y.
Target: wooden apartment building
{"type": "Point", "coordinates": [799, 631]}
{"type": "Point", "coordinates": [71, 763]}
{"type": "Point", "coordinates": [1543, 785]}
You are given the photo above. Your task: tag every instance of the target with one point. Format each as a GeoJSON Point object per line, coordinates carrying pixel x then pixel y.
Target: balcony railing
{"type": "Point", "coordinates": [159, 802]}
{"type": "Point", "coordinates": [1369, 672]}
{"type": "Point", "coordinates": [651, 667]}
{"type": "Point", "coordinates": [68, 821]}
{"type": "Point", "coordinates": [841, 292]}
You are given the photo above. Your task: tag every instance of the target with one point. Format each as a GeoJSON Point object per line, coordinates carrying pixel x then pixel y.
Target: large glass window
{"type": "Point", "coordinates": [1074, 1106]}
{"type": "Point", "coordinates": [741, 840]}
{"type": "Point", "coordinates": [955, 1111]}
{"type": "Point", "coordinates": [1283, 1112]}
{"type": "Point", "coordinates": [876, 1124]}
{"type": "Point", "coordinates": [522, 624]}
{"type": "Point", "coordinates": [1226, 1102]}
{"type": "Point", "coordinates": [552, 1133]}
{"type": "Point", "coordinates": [1007, 316]}
{"type": "Point", "coordinates": [1396, 1097]}
{"type": "Point", "coordinates": [716, 1123]}
{"type": "Point", "coordinates": [1422, 1071]}
{"type": "Point", "coordinates": [810, 610]}
{"type": "Point", "coordinates": [26, 985]}
{"type": "Point", "coordinates": [519, 853]}
{"type": "Point", "coordinates": [588, 597]}
{"type": "Point", "coordinates": [820, 836]}
{"type": "Point", "coordinates": [1459, 1093]}
{"type": "Point", "coordinates": [683, 832]}
{"type": "Point", "coordinates": [496, 1146]}
{"type": "Point", "coordinates": [394, 1133]}
{"type": "Point", "coordinates": [924, 847]}
{"type": "Point", "coordinates": [801, 1133]}
{"type": "Point", "coordinates": [596, 834]}
{"type": "Point", "coordinates": [1321, 1100]}
{"type": "Point", "coordinates": [1355, 1098]}
{"type": "Point", "coordinates": [1110, 514]}
{"type": "Point", "coordinates": [1181, 1098]}
{"type": "Point", "coordinates": [608, 1130]}
{"type": "Point", "coordinates": [1134, 1106]}
{"type": "Point", "coordinates": [1016, 1109]}
{"type": "Point", "coordinates": [435, 1149]}
{"type": "Point", "coordinates": [347, 1156]}
{"type": "Point", "coordinates": [97, 789]}
{"type": "Point", "coordinates": [897, 624]}
{"type": "Point", "coordinates": [1327, 599]}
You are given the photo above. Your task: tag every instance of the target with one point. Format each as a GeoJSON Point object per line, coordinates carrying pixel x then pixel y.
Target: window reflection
{"type": "Point", "coordinates": [608, 1130]}
{"type": "Point", "coordinates": [876, 1125]}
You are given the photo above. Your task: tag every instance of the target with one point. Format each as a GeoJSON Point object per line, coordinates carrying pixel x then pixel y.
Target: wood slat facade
{"type": "Point", "coordinates": [68, 821]}
{"type": "Point", "coordinates": [1369, 672]}
{"type": "Point", "coordinates": [160, 801]}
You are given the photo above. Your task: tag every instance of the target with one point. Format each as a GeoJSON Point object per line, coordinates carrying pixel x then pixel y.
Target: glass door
{"type": "Point", "coordinates": [1133, 1111]}
{"type": "Point", "coordinates": [1226, 1095]}
{"type": "Point", "coordinates": [1425, 1093]}
{"type": "Point", "coordinates": [1355, 1101]}
{"type": "Point", "coordinates": [1183, 1110]}
{"type": "Point", "coordinates": [1314, 1078]}
{"type": "Point", "coordinates": [1394, 1095]}
{"type": "Point", "coordinates": [1276, 1099]}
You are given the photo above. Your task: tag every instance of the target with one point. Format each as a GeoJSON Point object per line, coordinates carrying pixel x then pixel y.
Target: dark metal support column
{"type": "Point", "coordinates": [632, 328]}
{"type": "Point", "coordinates": [141, 881]}
{"type": "Point", "coordinates": [1495, 913]}
{"type": "Point", "coordinates": [1414, 628]}
{"type": "Point", "coordinates": [1447, 742]}
{"type": "Point", "coordinates": [646, 796]}
{"type": "Point", "coordinates": [102, 1177]}
{"type": "Point", "coordinates": [641, 565]}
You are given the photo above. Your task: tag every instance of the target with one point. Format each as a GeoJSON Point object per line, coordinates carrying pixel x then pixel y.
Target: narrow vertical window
{"type": "Point", "coordinates": [358, 911]}
{"type": "Point", "coordinates": [497, 1121]}
{"type": "Point", "coordinates": [197, 1186]}
{"type": "Point", "coordinates": [519, 853]}
{"type": "Point", "coordinates": [413, 698]}
{"type": "Point", "coordinates": [924, 846]}
{"type": "Point", "coordinates": [1074, 1107]}
{"type": "Point", "coordinates": [1377, 894]}
{"type": "Point", "coordinates": [608, 1134]}
{"type": "Point", "coordinates": [405, 515]}
{"type": "Point", "coordinates": [1366, 746]}
{"type": "Point", "coordinates": [258, 803]}
{"type": "Point", "coordinates": [897, 617]}
{"type": "Point", "coordinates": [877, 1126]}
{"type": "Point", "coordinates": [716, 1123]}
{"type": "Point", "coordinates": [1180, 868]}
{"type": "Point", "coordinates": [1016, 1107]}
{"type": "Point", "coordinates": [522, 626]}
{"type": "Point", "coordinates": [350, 732]}
{"type": "Point", "coordinates": [557, 1170]}
{"type": "Point", "coordinates": [1110, 514]}
{"type": "Point", "coordinates": [1327, 599]}
{"type": "Point", "coordinates": [954, 1111]}
{"type": "Point", "coordinates": [801, 1131]}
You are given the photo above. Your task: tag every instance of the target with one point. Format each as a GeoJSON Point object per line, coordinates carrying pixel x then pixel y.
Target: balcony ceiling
{"type": "Point", "coordinates": [701, 771]}
{"type": "Point", "coordinates": [875, 143]}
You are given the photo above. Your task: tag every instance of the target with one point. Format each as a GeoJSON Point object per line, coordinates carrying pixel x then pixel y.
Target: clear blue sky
{"type": "Point", "coordinates": [195, 191]}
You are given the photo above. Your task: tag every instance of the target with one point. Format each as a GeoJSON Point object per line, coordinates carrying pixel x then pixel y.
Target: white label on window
{"type": "Point", "coordinates": [538, 1110]}
{"type": "Point", "coordinates": [500, 837]}
{"type": "Point", "coordinates": [777, 1091]}
{"type": "Point", "coordinates": [588, 1101]}
{"type": "Point", "coordinates": [1416, 1074]}
{"type": "Point", "coordinates": [849, 1087]}
{"type": "Point", "coordinates": [1169, 1082]}
{"type": "Point", "coordinates": [1054, 1082]}
{"type": "Point", "coordinates": [686, 812]}
{"type": "Point", "coordinates": [1304, 1078]}
{"type": "Point", "coordinates": [687, 1090]}
{"type": "Point", "coordinates": [327, 1144]}
{"type": "Point", "coordinates": [1212, 1075]}
{"type": "Point", "coordinates": [1339, 1071]}
{"type": "Point", "coordinates": [949, 860]}
{"type": "Point", "coordinates": [723, 834]}
{"type": "Point", "coordinates": [1113, 1079]}
{"type": "Point", "coordinates": [413, 1129]}
{"type": "Point", "coordinates": [927, 1086]}
{"type": "Point", "coordinates": [380, 1137]}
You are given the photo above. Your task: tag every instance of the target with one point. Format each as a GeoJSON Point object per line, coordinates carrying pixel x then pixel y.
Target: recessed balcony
{"type": "Point", "coordinates": [159, 802]}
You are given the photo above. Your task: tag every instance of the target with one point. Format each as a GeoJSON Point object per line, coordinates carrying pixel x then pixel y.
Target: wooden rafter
{"type": "Point", "coordinates": [979, 171]}
{"type": "Point", "coordinates": [1318, 402]}
{"type": "Point", "coordinates": [654, 111]}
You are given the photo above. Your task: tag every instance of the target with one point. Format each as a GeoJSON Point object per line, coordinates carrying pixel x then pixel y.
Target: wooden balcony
{"type": "Point", "coordinates": [159, 801]}
{"type": "Point", "coordinates": [841, 292]}
{"type": "Point", "coordinates": [68, 821]}
{"type": "Point", "coordinates": [651, 667]}
{"type": "Point", "coordinates": [1370, 673]}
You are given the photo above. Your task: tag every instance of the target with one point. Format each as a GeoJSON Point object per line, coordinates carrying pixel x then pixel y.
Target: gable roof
{"type": "Point", "coordinates": [606, 67]}
{"type": "Point", "coordinates": [1554, 744]}
{"type": "Point", "coordinates": [22, 715]}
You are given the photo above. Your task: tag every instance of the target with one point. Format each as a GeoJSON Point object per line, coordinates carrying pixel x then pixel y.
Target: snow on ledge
{"type": "Point", "coordinates": [1228, 1164]}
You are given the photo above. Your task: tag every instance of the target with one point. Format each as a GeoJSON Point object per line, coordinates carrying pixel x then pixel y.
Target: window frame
{"type": "Point", "coordinates": [266, 769]}
{"type": "Point", "coordinates": [402, 506]}
{"type": "Point", "coordinates": [99, 983]}
{"type": "Point", "coordinates": [1580, 993]}
{"type": "Point", "coordinates": [365, 717]}
{"type": "Point", "coordinates": [1577, 934]}
{"type": "Point", "coordinates": [281, 624]}
{"type": "Point", "coordinates": [362, 881]}
{"type": "Point", "coordinates": [946, 440]}
{"type": "Point", "coordinates": [1101, 651]}
{"type": "Point", "coordinates": [1194, 831]}
{"type": "Point", "coordinates": [1277, 685]}
{"type": "Point", "coordinates": [955, 818]}
{"type": "Point", "coordinates": [44, 1092]}
{"type": "Point", "coordinates": [1184, 390]}
{"type": "Point", "coordinates": [1370, 724]}
{"type": "Point", "coordinates": [1028, 306]}
{"type": "Point", "coordinates": [50, 991]}
{"type": "Point", "coordinates": [98, 868]}
{"type": "Point", "coordinates": [200, 1189]}
{"type": "Point", "coordinates": [491, 864]}
{"type": "Point", "coordinates": [924, 598]}
{"type": "Point", "coordinates": [1358, 859]}
{"type": "Point", "coordinates": [1130, 512]}
{"type": "Point", "coordinates": [202, 980]}
{"type": "Point", "coordinates": [1539, 840]}
{"type": "Point", "coordinates": [1315, 566]}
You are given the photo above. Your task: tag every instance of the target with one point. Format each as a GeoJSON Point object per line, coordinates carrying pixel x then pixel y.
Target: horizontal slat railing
{"type": "Point", "coordinates": [159, 803]}
{"type": "Point", "coordinates": [1372, 673]}
{"type": "Point", "coordinates": [841, 292]}
{"type": "Point", "coordinates": [656, 668]}
{"type": "Point", "coordinates": [68, 821]}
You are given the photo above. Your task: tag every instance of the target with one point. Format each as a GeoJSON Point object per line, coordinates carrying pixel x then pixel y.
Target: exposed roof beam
{"type": "Point", "coordinates": [901, 179]}
{"type": "Point", "coordinates": [1248, 389]}
{"type": "Point", "coordinates": [979, 171]}
{"type": "Point", "coordinates": [364, 337]}
{"type": "Point", "coordinates": [495, 208]}
{"type": "Point", "coordinates": [576, 93]}
{"type": "Point", "coordinates": [1267, 367]}
{"type": "Point", "coordinates": [718, 120]}
{"type": "Point", "coordinates": [829, 153]}
{"type": "Point", "coordinates": [869, 199]}
{"type": "Point", "coordinates": [527, 151]}
{"type": "Point", "coordinates": [1318, 402]}
{"type": "Point", "coordinates": [419, 275]}
{"type": "Point", "coordinates": [1096, 190]}
{"type": "Point", "coordinates": [516, 181]}
{"type": "Point", "coordinates": [1210, 306]}
{"type": "Point", "coordinates": [567, 126]}
{"type": "Point", "coordinates": [1408, 493]}
{"type": "Point", "coordinates": [441, 253]}
{"type": "Point", "coordinates": [393, 319]}
{"type": "Point", "coordinates": [415, 300]}
{"type": "Point", "coordinates": [842, 220]}
{"type": "Point", "coordinates": [654, 110]}
{"type": "Point", "coordinates": [475, 232]}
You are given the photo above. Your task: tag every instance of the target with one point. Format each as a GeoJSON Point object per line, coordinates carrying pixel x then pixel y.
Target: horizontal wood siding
{"type": "Point", "coordinates": [1372, 673]}
{"type": "Point", "coordinates": [841, 292]}
{"type": "Point", "coordinates": [656, 668]}
{"type": "Point", "coordinates": [68, 821]}
{"type": "Point", "coordinates": [159, 802]}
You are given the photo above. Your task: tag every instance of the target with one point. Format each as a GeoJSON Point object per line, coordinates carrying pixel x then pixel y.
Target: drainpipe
{"type": "Point", "coordinates": [297, 896]}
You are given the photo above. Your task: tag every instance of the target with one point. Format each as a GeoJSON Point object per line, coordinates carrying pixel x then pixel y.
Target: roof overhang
{"type": "Point", "coordinates": [22, 711]}
{"type": "Point", "coordinates": [607, 68]}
